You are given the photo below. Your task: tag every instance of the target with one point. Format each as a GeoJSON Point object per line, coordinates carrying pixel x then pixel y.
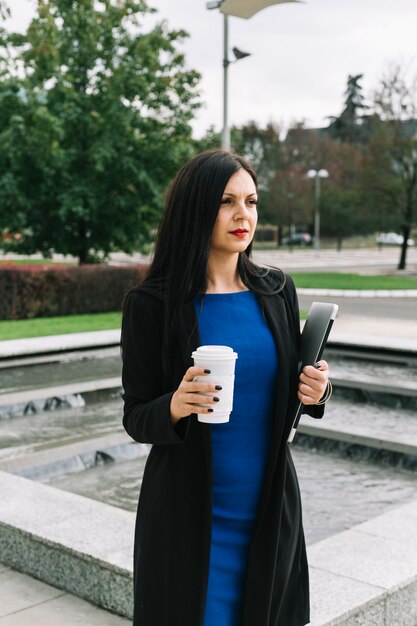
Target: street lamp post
{"type": "Point", "coordinates": [226, 63]}
{"type": "Point", "coordinates": [236, 8]}
{"type": "Point", "coordinates": [317, 175]}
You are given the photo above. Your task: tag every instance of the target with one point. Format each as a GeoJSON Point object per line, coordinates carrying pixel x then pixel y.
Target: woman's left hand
{"type": "Point", "coordinates": [313, 382]}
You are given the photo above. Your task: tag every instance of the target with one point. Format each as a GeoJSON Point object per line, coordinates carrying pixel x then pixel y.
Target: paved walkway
{"type": "Point", "coordinates": [26, 601]}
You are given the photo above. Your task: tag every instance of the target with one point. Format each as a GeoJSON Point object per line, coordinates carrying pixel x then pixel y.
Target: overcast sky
{"type": "Point", "coordinates": [301, 54]}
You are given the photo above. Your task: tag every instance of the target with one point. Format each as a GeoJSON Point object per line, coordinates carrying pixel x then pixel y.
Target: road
{"type": "Point", "coordinates": [362, 261]}
{"type": "Point", "coordinates": [393, 308]}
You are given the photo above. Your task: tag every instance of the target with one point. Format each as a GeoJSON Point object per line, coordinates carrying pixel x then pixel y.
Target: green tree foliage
{"type": "Point", "coordinates": [342, 214]}
{"type": "Point", "coordinates": [380, 187]}
{"type": "Point", "coordinates": [286, 194]}
{"type": "Point", "coordinates": [92, 127]}
{"type": "Point", "coordinates": [303, 149]}
{"type": "Point", "coordinates": [392, 161]}
{"type": "Point", "coordinates": [351, 125]}
{"type": "Point", "coordinates": [371, 159]}
{"type": "Point", "coordinates": [262, 146]}
{"type": "Point", "coordinates": [212, 139]}
{"type": "Point", "coordinates": [290, 199]}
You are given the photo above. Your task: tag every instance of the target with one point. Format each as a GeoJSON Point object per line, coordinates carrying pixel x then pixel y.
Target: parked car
{"type": "Point", "coordinates": [298, 239]}
{"type": "Point", "coordinates": [392, 239]}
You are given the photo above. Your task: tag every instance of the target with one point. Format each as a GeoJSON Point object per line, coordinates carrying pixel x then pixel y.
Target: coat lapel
{"type": "Point", "coordinates": [188, 339]}
{"type": "Point", "coordinates": [276, 316]}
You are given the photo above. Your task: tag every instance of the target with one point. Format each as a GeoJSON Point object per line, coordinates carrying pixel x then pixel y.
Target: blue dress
{"type": "Point", "coordinates": [239, 447]}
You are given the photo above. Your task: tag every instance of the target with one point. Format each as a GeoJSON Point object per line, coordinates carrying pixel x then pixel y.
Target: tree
{"type": "Point", "coordinates": [338, 214]}
{"type": "Point", "coordinates": [306, 149]}
{"type": "Point", "coordinates": [341, 209]}
{"type": "Point", "coordinates": [349, 125]}
{"type": "Point", "coordinates": [100, 126]}
{"type": "Point", "coordinates": [395, 144]}
{"type": "Point", "coordinates": [290, 195]}
{"type": "Point", "coordinates": [262, 146]}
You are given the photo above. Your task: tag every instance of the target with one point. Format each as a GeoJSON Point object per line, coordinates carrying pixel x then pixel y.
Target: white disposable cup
{"type": "Point", "coordinates": [220, 360]}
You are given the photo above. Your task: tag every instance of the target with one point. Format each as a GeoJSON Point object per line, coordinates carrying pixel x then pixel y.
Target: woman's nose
{"type": "Point", "coordinates": [242, 209]}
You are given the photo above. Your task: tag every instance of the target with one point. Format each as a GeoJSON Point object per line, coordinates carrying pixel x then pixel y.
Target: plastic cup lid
{"type": "Point", "coordinates": [215, 352]}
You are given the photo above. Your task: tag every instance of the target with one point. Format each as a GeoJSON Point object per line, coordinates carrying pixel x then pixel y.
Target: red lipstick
{"type": "Point", "coordinates": [240, 232]}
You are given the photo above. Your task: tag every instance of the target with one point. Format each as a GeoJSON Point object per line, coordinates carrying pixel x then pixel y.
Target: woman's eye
{"type": "Point", "coordinates": [253, 202]}
{"type": "Point", "coordinates": [226, 201]}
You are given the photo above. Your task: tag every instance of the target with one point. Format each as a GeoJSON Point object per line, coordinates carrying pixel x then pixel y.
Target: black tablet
{"type": "Point", "coordinates": [313, 340]}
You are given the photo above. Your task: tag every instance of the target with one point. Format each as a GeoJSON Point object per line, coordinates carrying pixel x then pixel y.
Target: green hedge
{"type": "Point", "coordinates": [44, 291]}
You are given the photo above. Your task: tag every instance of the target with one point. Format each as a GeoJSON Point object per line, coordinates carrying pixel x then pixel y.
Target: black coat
{"type": "Point", "coordinates": [173, 527]}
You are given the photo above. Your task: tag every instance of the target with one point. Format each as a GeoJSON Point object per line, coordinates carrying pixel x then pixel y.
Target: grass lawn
{"type": "Point", "coordinates": [333, 280]}
{"type": "Point", "coordinates": [42, 326]}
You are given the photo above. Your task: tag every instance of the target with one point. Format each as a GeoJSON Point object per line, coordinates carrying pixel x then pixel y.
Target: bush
{"type": "Point", "coordinates": [42, 291]}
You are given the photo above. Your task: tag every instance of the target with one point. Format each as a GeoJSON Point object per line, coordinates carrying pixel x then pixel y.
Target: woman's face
{"type": "Point", "coordinates": [237, 217]}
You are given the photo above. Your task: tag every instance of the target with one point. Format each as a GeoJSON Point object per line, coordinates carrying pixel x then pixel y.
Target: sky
{"type": "Point", "coordinates": [301, 54]}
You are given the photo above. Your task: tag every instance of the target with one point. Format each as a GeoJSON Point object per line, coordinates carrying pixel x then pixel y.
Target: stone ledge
{"type": "Point", "coordinates": [367, 575]}
{"type": "Point", "coordinates": [334, 432]}
{"type": "Point", "coordinates": [364, 576]}
{"type": "Point", "coordinates": [74, 457]}
{"type": "Point", "coordinates": [397, 389]}
{"type": "Point", "coordinates": [66, 540]}
{"type": "Point", "coordinates": [80, 387]}
{"type": "Point", "coordinates": [59, 343]}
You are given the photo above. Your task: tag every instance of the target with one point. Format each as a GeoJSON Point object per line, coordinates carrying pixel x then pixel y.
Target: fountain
{"type": "Point", "coordinates": [356, 465]}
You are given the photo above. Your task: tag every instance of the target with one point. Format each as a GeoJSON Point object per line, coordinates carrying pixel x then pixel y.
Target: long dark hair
{"type": "Point", "coordinates": [179, 266]}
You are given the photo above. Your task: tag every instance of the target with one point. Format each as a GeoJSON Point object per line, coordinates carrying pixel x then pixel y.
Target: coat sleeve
{"type": "Point", "coordinates": [146, 413]}
{"type": "Point", "coordinates": [313, 410]}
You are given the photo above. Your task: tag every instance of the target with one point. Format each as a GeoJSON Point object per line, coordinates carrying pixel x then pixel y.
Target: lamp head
{"type": "Point", "coordinates": [248, 8]}
{"type": "Point", "coordinates": [239, 54]}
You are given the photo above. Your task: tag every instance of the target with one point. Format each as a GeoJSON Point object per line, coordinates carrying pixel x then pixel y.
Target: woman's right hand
{"type": "Point", "coordinates": [186, 399]}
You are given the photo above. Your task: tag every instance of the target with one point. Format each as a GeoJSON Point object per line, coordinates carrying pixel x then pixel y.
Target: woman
{"type": "Point", "coordinates": [219, 538]}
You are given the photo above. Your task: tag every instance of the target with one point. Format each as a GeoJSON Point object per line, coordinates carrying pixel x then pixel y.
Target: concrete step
{"type": "Point", "coordinates": [398, 396]}
{"type": "Point", "coordinates": [357, 429]}
{"type": "Point", "coordinates": [366, 575]}
{"type": "Point", "coordinates": [47, 393]}
{"type": "Point", "coordinates": [46, 430]}
{"type": "Point", "coordinates": [74, 457]}
{"type": "Point", "coordinates": [71, 542]}
{"type": "Point", "coordinates": [394, 388]}
{"type": "Point", "coordinates": [13, 348]}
